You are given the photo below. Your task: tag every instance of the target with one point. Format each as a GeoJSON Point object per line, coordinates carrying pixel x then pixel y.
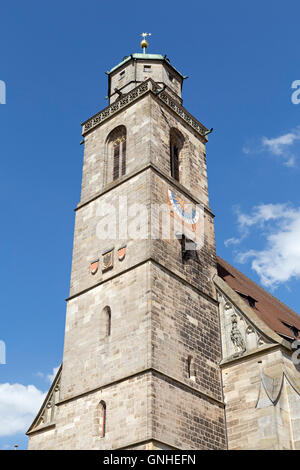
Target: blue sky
{"type": "Point", "coordinates": [241, 58]}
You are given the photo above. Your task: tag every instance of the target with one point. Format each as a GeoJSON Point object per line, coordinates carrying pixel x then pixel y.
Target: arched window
{"type": "Point", "coordinates": [191, 368]}
{"type": "Point", "coordinates": [116, 144]}
{"type": "Point", "coordinates": [102, 418]}
{"type": "Point", "coordinates": [106, 321]}
{"type": "Point", "coordinates": [176, 144]}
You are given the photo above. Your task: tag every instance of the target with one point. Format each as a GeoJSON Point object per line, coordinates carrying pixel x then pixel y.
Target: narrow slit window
{"type": "Point", "coordinates": [191, 368]}
{"type": "Point", "coordinates": [176, 146]}
{"type": "Point", "coordinates": [107, 319]}
{"type": "Point", "coordinates": [108, 323]}
{"type": "Point", "coordinates": [102, 419]}
{"type": "Point", "coordinates": [174, 162]}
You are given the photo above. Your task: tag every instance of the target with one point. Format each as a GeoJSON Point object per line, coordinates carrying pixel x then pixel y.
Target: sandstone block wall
{"type": "Point", "coordinates": [133, 72]}
{"type": "Point", "coordinates": [163, 310]}
{"type": "Point", "coordinates": [254, 421]}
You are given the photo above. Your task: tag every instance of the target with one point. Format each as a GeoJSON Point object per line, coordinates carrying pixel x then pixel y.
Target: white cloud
{"type": "Point", "coordinates": [232, 241]}
{"type": "Point", "coordinates": [51, 377]}
{"type": "Point", "coordinates": [40, 374]}
{"type": "Point", "coordinates": [278, 145]}
{"type": "Point", "coordinates": [284, 146]}
{"type": "Point", "coordinates": [260, 214]}
{"type": "Point", "coordinates": [279, 260]}
{"type": "Point", "coordinates": [48, 377]}
{"type": "Point", "coordinates": [18, 407]}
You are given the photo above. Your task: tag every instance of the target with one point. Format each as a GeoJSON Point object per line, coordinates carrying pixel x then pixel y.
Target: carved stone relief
{"type": "Point", "coordinates": [239, 335]}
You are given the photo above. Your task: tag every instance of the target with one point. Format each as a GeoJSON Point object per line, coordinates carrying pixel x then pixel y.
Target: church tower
{"type": "Point", "coordinates": [142, 337]}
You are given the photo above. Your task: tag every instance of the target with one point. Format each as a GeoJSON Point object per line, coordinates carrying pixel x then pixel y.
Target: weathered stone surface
{"type": "Point", "coordinates": [143, 334]}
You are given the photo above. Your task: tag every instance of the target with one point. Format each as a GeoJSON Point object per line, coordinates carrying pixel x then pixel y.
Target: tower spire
{"type": "Point", "coordinates": [144, 42]}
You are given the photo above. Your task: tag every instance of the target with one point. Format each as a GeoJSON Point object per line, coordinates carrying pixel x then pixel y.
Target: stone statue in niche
{"type": "Point", "coordinates": [236, 336]}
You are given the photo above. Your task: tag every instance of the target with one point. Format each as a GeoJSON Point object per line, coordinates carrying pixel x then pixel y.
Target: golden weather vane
{"type": "Point", "coordinates": [144, 42]}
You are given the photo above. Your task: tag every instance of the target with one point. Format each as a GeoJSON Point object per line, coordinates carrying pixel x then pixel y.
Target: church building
{"type": "Point", "coordinates": [167, 346]}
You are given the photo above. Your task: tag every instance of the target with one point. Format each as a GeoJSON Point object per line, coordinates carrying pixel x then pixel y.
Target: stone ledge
{"type": "Point", "coordinates": [138, 171]}
{"type": "Point", "coordinates": [149, 370]}
{"type": "Point", "coordinates": [133, 95]}
{"type": "Point", "coordinates": [141, 263]}
{"type": "Point", "coordinates": [44, 427]}
{"type": "Point", "coordinates": [246, 356]}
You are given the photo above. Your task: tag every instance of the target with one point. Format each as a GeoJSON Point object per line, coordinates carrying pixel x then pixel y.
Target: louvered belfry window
{"type": "Point", "coordinates": [119, 156]}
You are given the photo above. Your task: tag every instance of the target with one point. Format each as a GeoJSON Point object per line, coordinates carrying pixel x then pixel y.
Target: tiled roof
{"type": "Point", "coordinates": [268, 308]}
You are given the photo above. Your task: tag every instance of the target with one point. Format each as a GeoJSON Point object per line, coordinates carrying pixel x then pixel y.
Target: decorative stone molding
{"type": "Point", "coordinates": [133, 95]}
{"type": "Point", "coordinates": [116, 106]}
{"type": "Point", "coordinates": [270, 389]}
{"type": "Point", "coordinates": [236, 336]}
{"type": "Point", "coordinates": [259, 334]}
{"type": "Point", "coordinates": [46, 415]}
{"type": "Point", "coordinates": [181, 112]}
{"type": "Point", "coordinates": [239, 335]}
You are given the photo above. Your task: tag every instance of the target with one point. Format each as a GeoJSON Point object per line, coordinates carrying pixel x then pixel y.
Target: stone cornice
{"type": "Point", "coordinates": [148, 259]}
{"type": "Point", "coordinates": [45, 427]}
{"type": "Point", "coordinates": [141, 169]}
{"type": "Point", "coordinates": [133, 95]}
{"type": "Point", "coordinates": [144, 371]}
{"type": "Point", "coordinates": [250, 355]}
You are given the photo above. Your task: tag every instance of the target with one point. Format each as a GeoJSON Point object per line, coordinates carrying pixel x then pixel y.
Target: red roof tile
{"type": "Point", "coordinates": [268, 308]}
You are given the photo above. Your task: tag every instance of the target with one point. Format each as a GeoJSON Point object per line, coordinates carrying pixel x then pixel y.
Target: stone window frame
{"type": "Point", "coordinates": [116, 154]}
{"type": "Point", "coordinates": [191, 369]}
{"type": "Point", "coordinates": [101, 419]}
{"type": "Point", "coordinates": [177, 142]}
{"type": "Point", "coordinates": [106, 318]}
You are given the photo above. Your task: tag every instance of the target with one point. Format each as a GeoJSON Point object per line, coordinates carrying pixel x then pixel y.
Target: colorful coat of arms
{"type": "Point", "coordinates": [94, 266]}
{"type": "Point", "coordinates": [121, 253]}
{"type": "Point", "coordinates": [107, 260]}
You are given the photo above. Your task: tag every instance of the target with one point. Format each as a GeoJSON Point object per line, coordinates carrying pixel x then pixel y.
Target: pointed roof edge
{"type": "Point", "coordinates": [268, 308]}
{"type": "Point", "coordinates": [56, 378]}
{"type": "Point", "coordinates": [250, 313]}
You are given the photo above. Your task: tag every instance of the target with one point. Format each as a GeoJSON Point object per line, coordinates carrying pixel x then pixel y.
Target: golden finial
{"type": "Point", "coordinates": [144, 42]}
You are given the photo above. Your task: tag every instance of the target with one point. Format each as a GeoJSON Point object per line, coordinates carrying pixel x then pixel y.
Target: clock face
{"type": "Point", "coordinates": [177, 205]}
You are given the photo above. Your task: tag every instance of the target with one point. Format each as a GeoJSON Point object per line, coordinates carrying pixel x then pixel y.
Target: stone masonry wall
{"type": "Point", "coordinates": [128, 419]}
{"type": "Point", "coordinates": [101, 226]}
{"type": "Point", "coordinates": [92, 359]}
{"type": "Point", "coordinates": [162, 310]}
{"type": "Point", "coordinates": [185, 324]}
{"type": "Point", "coordinates": [136, 119]}
{"type": "Point", "coordinates": [200, 269]}
{"type": "Point", "coordinates": [185, 420]}
{"type": "Point", "coordinates": [253, 421]}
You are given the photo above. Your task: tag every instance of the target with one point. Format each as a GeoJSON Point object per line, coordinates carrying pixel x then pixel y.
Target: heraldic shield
{"type": "Point", "coordinates": [121, 253]}
{"type": "Point", "coordinates": [94, 266]}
